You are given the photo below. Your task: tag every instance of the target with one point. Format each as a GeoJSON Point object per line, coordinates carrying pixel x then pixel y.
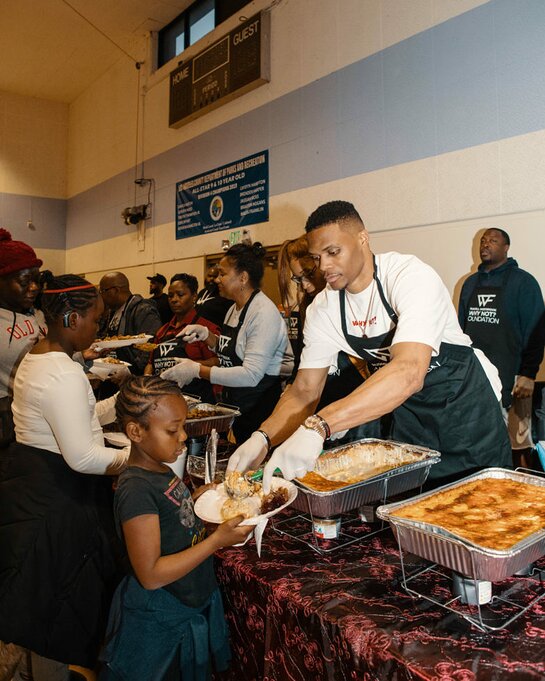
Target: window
{"type": "Point", "coordinates": [197, 21]}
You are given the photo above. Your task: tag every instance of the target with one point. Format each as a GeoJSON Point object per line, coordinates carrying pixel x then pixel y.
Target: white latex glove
{"type": "Point", "coordinates": [339, 435]}
{"type": "Point", "coordinates": [294, 457]}
{"type": "Point", "coordinates": [249, 455]}
{"type": "Point", "coordinates": [194, 332]}
{"type": "Point", "coordinates": [182, 373]}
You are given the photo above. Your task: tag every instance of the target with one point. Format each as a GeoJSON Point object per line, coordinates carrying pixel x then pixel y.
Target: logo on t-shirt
{"type": "Point", "coordinates": [485, 298]}
{"type": "Point", "coordinates": [166, 347]}
{"type": "Point", "coordinates": [223, 341]}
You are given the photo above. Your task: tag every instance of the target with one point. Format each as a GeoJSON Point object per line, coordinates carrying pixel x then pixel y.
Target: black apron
{"type": "Point", "coordinates": [456, 412]}
{"type": "Point", "coordinates": [488, 326]}
{"type": "Point", "coordinates": [164, 356]}
{"type": "Point", "coordinates": [256, 403]}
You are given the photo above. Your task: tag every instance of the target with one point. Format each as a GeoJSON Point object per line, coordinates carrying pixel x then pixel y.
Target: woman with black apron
{"type": "Point", "coordinates": [252, 346]}
{"type": "Point", "coordinates": [170, 348]}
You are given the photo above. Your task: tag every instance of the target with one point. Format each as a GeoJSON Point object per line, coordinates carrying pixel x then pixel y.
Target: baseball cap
{"type": "Point", "coordinates": [159, 279]}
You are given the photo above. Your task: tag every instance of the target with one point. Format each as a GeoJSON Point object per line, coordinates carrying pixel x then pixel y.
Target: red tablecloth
{"type": "Point", "coordinates": [296, 615]}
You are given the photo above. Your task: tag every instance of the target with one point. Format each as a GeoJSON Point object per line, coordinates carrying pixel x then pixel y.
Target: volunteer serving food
{"type": "Point", "coordinates": [395, 312]}
{"type": "Point", "coordinates": [252, 347]}
{"type": "Point", "coordinates": [170, 347]}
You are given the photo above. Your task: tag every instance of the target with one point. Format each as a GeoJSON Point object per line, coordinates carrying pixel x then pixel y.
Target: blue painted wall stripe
{"type": "Point", "coordinates": [473, 79]}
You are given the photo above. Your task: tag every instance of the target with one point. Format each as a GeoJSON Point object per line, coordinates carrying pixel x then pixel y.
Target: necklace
{"type": "Point", "coordinates": [365, 325]}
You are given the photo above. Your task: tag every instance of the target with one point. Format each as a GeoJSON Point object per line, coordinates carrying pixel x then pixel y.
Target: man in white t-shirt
{"type": "Point", "coordinates": [395, 312]}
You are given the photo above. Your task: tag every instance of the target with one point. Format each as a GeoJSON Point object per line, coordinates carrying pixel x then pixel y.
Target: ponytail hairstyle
{"type": "Point", "coordinates": [139, 395]}
{"type": "Point", "coordinates": [245, 258]}
{"type": "Point", "coordinates": [65, 294]}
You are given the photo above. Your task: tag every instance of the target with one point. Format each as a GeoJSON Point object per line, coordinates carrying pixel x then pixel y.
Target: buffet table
{"type": "Point", "coordinates": [297, 615]}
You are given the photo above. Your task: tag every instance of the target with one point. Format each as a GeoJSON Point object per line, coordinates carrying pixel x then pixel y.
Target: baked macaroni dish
{"type": "Point", "coordinates": [493, 513]}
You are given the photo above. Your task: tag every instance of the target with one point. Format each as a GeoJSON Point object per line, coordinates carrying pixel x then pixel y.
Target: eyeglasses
{"type": "Point", "coordinates": [306, 276]}
{"type": "Point", "coordinates": [103, 290]}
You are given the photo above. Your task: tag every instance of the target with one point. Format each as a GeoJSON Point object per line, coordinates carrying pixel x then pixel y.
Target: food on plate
{"type": "Point", "coordinates": [110, 360]}
{"type": "Point", "coordinates": [356, 463]}
{"type": "Point", "coordinates": [146, 347]}
{"type": "Point", "coordinates": [116, 338]}
{"type": "Point", "coordinates": [246, 497]}
{"type": "Point", "coordinates": [247, 507]}
{"type": "Point", "coordinates": [237, 485]}
{"type": "Point", "coordinates": [274, 499]}
{"type": "Point", "coordinates": [493, 513]}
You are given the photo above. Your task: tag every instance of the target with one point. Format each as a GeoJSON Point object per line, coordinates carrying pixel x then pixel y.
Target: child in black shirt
{"type": "Point", "coordinates": [167, 617]}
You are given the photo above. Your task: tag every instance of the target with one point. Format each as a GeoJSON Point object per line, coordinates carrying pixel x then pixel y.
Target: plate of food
{"type": "Point", "coordinates": [146, 347]}
{"type": "Point", "coordinates": [117, 439]}
{"type": "Point", "coordinates": [238, 495]}
{"type": "Point", "coordinates": [120, 341]}
{"type": "Point", "coordinates": [109, 366]}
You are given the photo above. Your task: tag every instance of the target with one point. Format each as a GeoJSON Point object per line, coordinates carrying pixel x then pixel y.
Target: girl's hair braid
{"type": "Point", "coordinates": [57, 301]}
{"type": "Point", "coordinates": [139, 394]}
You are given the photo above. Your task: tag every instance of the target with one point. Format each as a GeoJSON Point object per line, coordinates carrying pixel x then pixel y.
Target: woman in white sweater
{"type": "Point", "coordinates": [252, 347]}
{"type": "Point", "coordinates": [57, 567]}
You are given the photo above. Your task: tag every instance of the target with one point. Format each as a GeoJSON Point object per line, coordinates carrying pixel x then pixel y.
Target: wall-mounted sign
{"type": "Point", "coordinates": [236, 64]}
{"type": "Point", "coordinates": [228, 197]}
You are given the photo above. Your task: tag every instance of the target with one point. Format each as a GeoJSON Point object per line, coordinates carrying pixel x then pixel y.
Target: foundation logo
{"type": "Point", "coordinates": [484, 299]}
{"type": "Point", "coordinates": [216, 208]}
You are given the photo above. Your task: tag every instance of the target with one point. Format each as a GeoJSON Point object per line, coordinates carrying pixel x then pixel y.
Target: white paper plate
{"type": "Point", "coordinates": [208, 506]}
{"type": "Point", "coordinates": [103, 363]}
{"type": "Point", "coordinates": [102, 344]}
{"type": "Point", "coordinates": [117, 439]}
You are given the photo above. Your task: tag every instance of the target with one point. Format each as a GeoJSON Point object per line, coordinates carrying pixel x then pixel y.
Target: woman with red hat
{"type": "Point", "coordinates": [21, 326]}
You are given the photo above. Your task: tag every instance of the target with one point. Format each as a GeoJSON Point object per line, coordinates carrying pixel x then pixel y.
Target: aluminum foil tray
{"type": "Point", "coordinates": [204, 425]}
{"type": "Point", "coordinates": [377, 488]}
{"type": "Point", "coordinates": [447, 549]}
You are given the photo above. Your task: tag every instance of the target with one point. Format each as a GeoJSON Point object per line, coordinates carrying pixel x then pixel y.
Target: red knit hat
{"type": "Point", "coordinates": [15, 255]}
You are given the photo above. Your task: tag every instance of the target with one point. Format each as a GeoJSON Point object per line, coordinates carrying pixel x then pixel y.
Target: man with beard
{"type": "Point", "coordinates": [501, 309]}
{"type": "Point", "coordinates": [210, 304]}
{"type": "Point", "coordinates": [395, 312]}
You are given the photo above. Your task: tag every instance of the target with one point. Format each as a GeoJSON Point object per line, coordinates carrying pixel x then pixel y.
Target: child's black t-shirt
{"type": "Point", "coordinates": [143, 492]}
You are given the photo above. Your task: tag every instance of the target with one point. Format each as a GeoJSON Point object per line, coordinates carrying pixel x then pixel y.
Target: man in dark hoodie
{"type": "Point", "coordinates": [501, 309]}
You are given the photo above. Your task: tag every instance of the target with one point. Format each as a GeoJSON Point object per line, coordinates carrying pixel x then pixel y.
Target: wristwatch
{"type": "Point", "coordinates": [318, 424]}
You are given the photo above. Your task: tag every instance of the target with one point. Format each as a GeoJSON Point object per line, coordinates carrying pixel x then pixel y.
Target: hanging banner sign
{"type": "Point", "coordinates": [234, 195]}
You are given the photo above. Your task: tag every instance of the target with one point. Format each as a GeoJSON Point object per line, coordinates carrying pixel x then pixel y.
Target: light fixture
{"type": "Point", "coordinates": [135, 214]}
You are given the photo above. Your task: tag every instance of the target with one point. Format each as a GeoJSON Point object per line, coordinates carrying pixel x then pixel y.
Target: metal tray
{"type": "Point", "coordinates": [205, 424]}
{"type": "Point", "coordinates": [447, 549]}
{"type": "Point", "coordinates": [377, 488]}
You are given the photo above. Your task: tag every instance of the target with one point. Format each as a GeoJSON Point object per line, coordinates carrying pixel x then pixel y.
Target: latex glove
{"type": "Point", "coordinates": [339, 435]}
{"type": "Point", "coordinates": [194, 332]}
{"type": "Point", "coordinates": [294, 457]}
{"type": "Point", "coordinates": [524, 387]}
{"type": "Point", "coordinates": [249, 455]}
{"type": "Point", "coordinates": [182, 373]}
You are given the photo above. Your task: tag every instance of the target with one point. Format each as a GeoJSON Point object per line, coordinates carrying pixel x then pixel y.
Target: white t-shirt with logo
{"type": "Point", "coordinates": [417, 295]}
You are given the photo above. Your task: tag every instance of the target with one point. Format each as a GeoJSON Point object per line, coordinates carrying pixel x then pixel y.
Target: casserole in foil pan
{"type": "Point", "coordinates": [407, 467]}
{"type": "Point", "coordinates": [458, 553]}
{"type": "Point", "coordinates": [221, 418]}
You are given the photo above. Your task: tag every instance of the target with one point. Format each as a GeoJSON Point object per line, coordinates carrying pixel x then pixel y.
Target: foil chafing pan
{"type": "Point", "coordinates": [377, 488]}
{"type": "Point", "coordinates": [459, 554]}
{"type": "Point", "coordinates": [221, 418]}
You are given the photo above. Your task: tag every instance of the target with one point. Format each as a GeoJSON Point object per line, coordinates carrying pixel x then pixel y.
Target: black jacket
{"type": "Point", "coordinates": [524, 307]}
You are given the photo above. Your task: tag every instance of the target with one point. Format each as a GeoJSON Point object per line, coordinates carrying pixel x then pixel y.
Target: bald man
{"type": "Point", "coordinates": [128, 314]}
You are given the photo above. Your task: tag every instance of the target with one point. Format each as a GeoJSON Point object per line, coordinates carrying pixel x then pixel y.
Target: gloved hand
{"type": "Point", "coordinates": [294, 457]}
{"type": "Point", "coordinates": [183, 372]}
{"type": "Point", "coordinates": [249, 455]}
{"type": "Point", "coordinates": [194, 332]}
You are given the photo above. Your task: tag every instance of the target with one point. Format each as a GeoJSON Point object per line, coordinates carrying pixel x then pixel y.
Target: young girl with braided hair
{"type": "Point", "coordinates": [167, 615]}
{"type": "Point", "coordinates": [57, 569]}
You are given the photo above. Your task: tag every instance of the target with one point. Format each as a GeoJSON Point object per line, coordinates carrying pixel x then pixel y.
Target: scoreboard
{"type": "Point", "coordinates": [233, 65]}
